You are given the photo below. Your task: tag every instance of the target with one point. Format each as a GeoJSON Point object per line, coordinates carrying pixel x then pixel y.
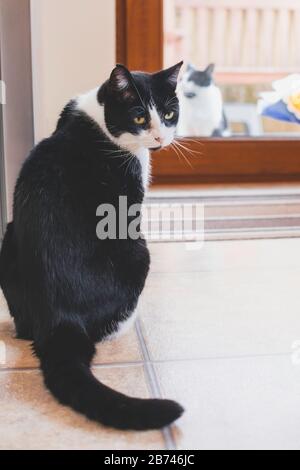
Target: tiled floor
{"type": "Point", "coordinates": [218, 330]}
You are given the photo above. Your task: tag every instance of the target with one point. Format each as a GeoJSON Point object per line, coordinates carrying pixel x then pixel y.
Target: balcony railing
{"type": "Point", "coordinates": [249, 40]}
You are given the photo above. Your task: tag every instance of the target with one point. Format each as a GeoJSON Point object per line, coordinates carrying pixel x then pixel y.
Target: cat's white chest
{"type": "Point", "coordinates": [143, 156]}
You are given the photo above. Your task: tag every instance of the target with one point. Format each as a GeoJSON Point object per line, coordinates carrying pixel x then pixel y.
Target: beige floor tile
{"type": "Point", "coordinates": [14, 353]}
{"type": "Point", "coordinates": [198, 315]}
{"type": "Point", "coordinates": [232, 404]}
{"type": "Point", "coordinates": [229, 255]}
{"type": "Point", "coordinates": [124, 349]}
{"type": "Point", "coordinates": [17, 354]}
{"type": "Point", "coordinates": [31, 419]}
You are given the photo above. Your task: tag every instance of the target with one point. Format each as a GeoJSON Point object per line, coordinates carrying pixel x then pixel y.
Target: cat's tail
{"type": "Point", "coordinates": [65, 361]}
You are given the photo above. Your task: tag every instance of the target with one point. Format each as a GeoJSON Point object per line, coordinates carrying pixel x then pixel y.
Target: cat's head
{"type": "Point", "coordinates": [141, 110]}
{"type": "Point", "coordinates": [195, 80]}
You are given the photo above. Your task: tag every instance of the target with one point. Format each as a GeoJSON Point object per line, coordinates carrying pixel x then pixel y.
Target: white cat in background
{"type": "Point", "coordinates": [201, 105]}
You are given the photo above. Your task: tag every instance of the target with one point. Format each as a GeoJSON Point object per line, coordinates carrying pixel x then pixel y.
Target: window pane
{"type": "Point", "coordinates": [236, 49]}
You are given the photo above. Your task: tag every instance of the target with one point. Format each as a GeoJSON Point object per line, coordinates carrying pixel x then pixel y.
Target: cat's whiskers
{"type": "Point", "coordinates": [130, 160]}
{"type": "Point", "coordinates": [176, 151]}
{"type": "Point", "coordinates": [115, 153]}
{"type": "Point", "coordinates": [193, 153]}
{"type": "Point", "coordinates": [171, 100]}
{"type": "Point", "coordinates": [179, 142]}
{"type": "Point", "coordinates": [188, 139]}
{"type": "Point", "coordinates": [181, 152]}
{"type": "Point", "coordinates": [123, 155]}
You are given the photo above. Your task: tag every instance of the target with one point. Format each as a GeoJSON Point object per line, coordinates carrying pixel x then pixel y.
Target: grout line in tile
{"type": "Point", "coordinates": [147, 362]}
{"type": "Point", "coordinates": [107, 365]}
{"type": "Point", "coordinates": [19, 369]}
{"type": "Point", "coordinates": [231, 271]}
{"type": "Point", "coordinates": [218, 358]}
{"type": "Point", "coordinates": [94, 366]}
{"type": "Point", "coordinates": [154, 384]}
{"type": "Point", "coordinates": [217, 270]}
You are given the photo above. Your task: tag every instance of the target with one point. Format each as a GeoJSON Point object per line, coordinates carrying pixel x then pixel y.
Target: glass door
{"type": "Point", "coordinates": [230, 129]}
{"type": "Point", "coordinates": [236, 52]}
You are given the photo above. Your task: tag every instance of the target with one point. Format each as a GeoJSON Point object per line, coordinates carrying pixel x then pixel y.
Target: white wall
{"type": "Point", "coordinates": [73, 50]}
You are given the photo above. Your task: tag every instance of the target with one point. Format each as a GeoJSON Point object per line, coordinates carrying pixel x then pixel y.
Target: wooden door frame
{"type": "Point", "coordinates": [140, 34]}
{"type": "Point", "coordinates": [140, 47]}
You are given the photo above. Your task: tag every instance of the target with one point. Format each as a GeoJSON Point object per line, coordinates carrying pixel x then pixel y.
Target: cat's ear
{"type": "Point", "coordinates": [170, 75]}
{"type": "Point", "coordinates": [120, 81]}
{"type": "Point", "coordinates": [210, 70]}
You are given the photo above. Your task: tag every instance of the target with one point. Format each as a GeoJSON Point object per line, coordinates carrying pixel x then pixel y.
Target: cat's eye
{"type": "Point", "coordinates": [169, 116]}
{"type": "Point", "coordinates": [140, 120]}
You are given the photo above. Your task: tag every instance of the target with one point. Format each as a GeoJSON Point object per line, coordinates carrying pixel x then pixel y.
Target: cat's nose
{"type": "Point", "coordinates": [158, 139]}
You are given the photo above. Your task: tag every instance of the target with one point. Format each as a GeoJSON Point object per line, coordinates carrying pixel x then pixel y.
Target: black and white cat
{"type": "Point", "coordinates": [201, 105]}
{"type": "Point", "coordinates": [66, 288]}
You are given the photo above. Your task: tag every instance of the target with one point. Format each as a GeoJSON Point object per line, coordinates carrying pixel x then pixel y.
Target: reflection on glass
{"type": "Point", "coordinates": [234, 50]}
{"type": "Point", "coordinates": [201, 104]}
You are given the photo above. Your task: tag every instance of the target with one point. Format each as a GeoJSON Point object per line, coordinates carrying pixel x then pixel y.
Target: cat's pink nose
{"type": "Point", "coordinates": [158, 139]}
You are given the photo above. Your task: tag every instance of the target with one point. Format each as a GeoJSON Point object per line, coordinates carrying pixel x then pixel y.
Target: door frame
{"type": "Point", "coordinates": [17, 113]}
{"type": "Point", "coordinates": [140, 47]}
{"type": "Point", "coordinates": [3, 212]}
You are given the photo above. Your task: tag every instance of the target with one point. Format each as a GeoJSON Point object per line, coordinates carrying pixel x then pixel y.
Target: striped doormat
{"type": "Point", "coordinates": [242, 215]}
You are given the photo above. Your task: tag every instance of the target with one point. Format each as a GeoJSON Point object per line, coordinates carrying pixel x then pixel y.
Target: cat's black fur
{"type": "Point", "coordinates": [65, 288]}
{"type": "Point", "coordinates": [154, 89]}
